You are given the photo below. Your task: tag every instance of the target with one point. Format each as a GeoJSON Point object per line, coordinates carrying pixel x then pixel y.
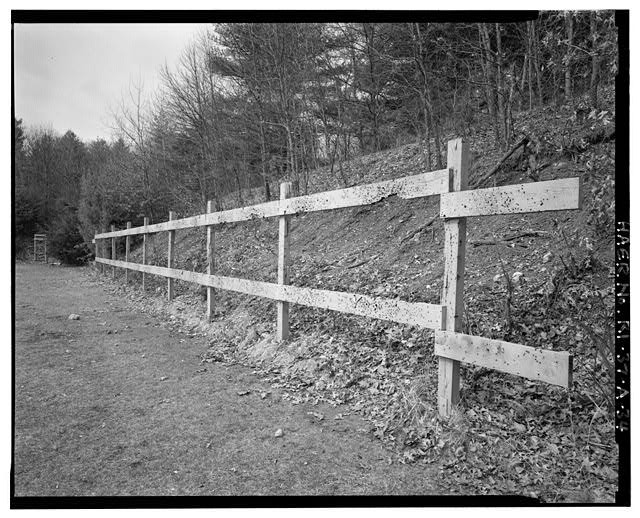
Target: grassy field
{"type": "Point", "coordinates": [117, 404]}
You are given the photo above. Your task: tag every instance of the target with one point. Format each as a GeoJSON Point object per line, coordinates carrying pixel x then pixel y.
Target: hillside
{"type": "Point", "coordinates": [509, 435]}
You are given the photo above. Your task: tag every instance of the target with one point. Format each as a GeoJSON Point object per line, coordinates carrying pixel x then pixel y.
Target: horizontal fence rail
{"type": "Point", "coordinates": [417, 186]}
{"type": "Point", "coordinates": [456, 204]}
{"type": "Point", "coordinates": [414, 313]}
{"type": "Point", "coordinates": [553, 367]}
{"type": "Point", "coordinates": [546, 196]}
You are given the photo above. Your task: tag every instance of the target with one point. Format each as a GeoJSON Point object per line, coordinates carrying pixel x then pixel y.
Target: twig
{"type": "Point", "coordinates": [509, 296]}
{"type": "Point", "coordinates": [603, 446]}
{"type": "Point", "coordinates": [541, 167]}
{"type": "Point", "coordinates": [598, 409]}
{"type": "Point", "coordinates": [529, 233]}
{"type": "Point", "coordinates": [483, 242]}
{"type": "Point", "coordinates": [417, 231]}
{"type": "Point", "coordinates": [573, 430]}
{"type": "Point", "coordinates": [361, 262]}
{"type": "Point", "coordinates": [523, 142]}
{"type": "Point", "coordinates": [534, 173]}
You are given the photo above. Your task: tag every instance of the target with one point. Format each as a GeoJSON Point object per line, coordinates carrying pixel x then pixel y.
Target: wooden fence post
{"type": "Point", "coordinates": [103, 251]}
{"type": "Point", "coordinates": [455, 237]}
{"type": "Point", "coordinates": [210, 262]}
{"type": "Point", "coordinates": [127, 249]}
{"type": "Point", "coordinates": [170, 257]}
{"type": "Point", "coordinates": [113, 250]}
{"type": "Point", "coordinates": [144, 250]}
{"type": "Point", "coordinates": [283, 264]}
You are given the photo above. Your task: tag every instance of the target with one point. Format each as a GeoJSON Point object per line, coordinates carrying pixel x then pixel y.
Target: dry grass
{"type": "Point", "coordinates": [117, 403]}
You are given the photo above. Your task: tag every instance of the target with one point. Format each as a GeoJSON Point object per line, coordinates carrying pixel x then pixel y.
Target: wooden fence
{"type": "Point", "coordinates": [456, 204]}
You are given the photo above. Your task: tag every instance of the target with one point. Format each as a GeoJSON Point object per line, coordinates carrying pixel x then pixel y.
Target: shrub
{"type": "Point", "coordinates": [65, 241]}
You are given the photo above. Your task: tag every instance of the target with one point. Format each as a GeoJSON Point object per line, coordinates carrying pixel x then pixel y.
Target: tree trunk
{"type": "Point", "coordinates": [292, 158]}
{"type": "Point", "coordinates": [204, 187]}
{"type": "Point", "coordinates": [523, 78]}
{"type": "Point", "coordinates": [333, 154]}
{"type": "Point", "coordinates": [568, 93]}
{"type": "Point", "coordinates": [419, 56]}
{"type": "Point", "coordinates": [508, 127]}
{"type": "Point", "coordinates": [427, 135]}
{"type": "Point", "coordinates": [502, 112]}
{"type": "Point", "coordinates": [491, 87]}
{"type": "Point", "coordinates": [530, 51]}
{"type": "Point", "coordinates": [484, 63]}
{"type": "Point", "coordinates": [345, 181]}
{"type": "Point", "coordinates": [265, 180]}
{"type": "Point", "coordinates": [536, 53]}
{"type": "Point", "coordinates": [595, 60]}
{"type": "Point", "coordinates": [238, 187]}
{"type": "Point", "coordinates": [369, 30]}
{"type": "Point", "coordinates": [436, 138]}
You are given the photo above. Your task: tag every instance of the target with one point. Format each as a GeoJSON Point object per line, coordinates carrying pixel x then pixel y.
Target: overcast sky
{"type": "Point", "coordinates": [69, 75]}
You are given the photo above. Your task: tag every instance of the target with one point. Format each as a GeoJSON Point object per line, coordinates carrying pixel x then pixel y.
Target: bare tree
{"type": "Point", "coordinates": [131, 123]}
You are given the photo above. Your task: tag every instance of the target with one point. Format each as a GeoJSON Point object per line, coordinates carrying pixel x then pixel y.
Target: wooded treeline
{"type": "Point", "coordinates": [251, 103]}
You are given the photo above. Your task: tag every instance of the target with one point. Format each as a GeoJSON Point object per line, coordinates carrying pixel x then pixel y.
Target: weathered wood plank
{"type": "Point", "coordinates": [282, 322]}
{"type": "Point", "coordinates": [416, 186]}
{"type": "Point", "coordinates": [455, 237]}
{"type": "Point", "coordinates": [171, 250]}
{"type": "Point", "coordinates": [408, 187]}
{"type": "Point", "coordinates": [553, 367]}
{"type": "Point", "coordinates": [551, 195]}
{"type": "Point", "coordinates": [412, 313]}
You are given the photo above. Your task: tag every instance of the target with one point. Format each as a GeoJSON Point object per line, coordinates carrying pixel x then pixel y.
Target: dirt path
{"type": "Point", "coordinates": [115, 404]}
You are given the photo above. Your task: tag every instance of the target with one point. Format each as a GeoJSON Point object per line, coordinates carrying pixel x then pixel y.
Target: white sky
{"type": "Point", "coordinates": [69, 75]}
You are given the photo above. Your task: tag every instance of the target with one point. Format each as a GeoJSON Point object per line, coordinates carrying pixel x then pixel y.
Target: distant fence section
{"type": "Point", "coordinates": [456, 204]}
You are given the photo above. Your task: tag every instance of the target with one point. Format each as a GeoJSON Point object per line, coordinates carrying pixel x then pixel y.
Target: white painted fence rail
{"type": "Point", "coordinates": [529, 362]}
{"type": "Point", "coordinates": [413, 313]}
{"type": "Point", "coordinates": [456, 204]}
{"type": "Point", "coordinates": [417, 186]}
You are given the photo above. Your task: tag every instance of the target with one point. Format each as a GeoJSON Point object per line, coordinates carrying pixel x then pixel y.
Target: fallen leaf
{"type": "Point", "coordinates": [519, 427]}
